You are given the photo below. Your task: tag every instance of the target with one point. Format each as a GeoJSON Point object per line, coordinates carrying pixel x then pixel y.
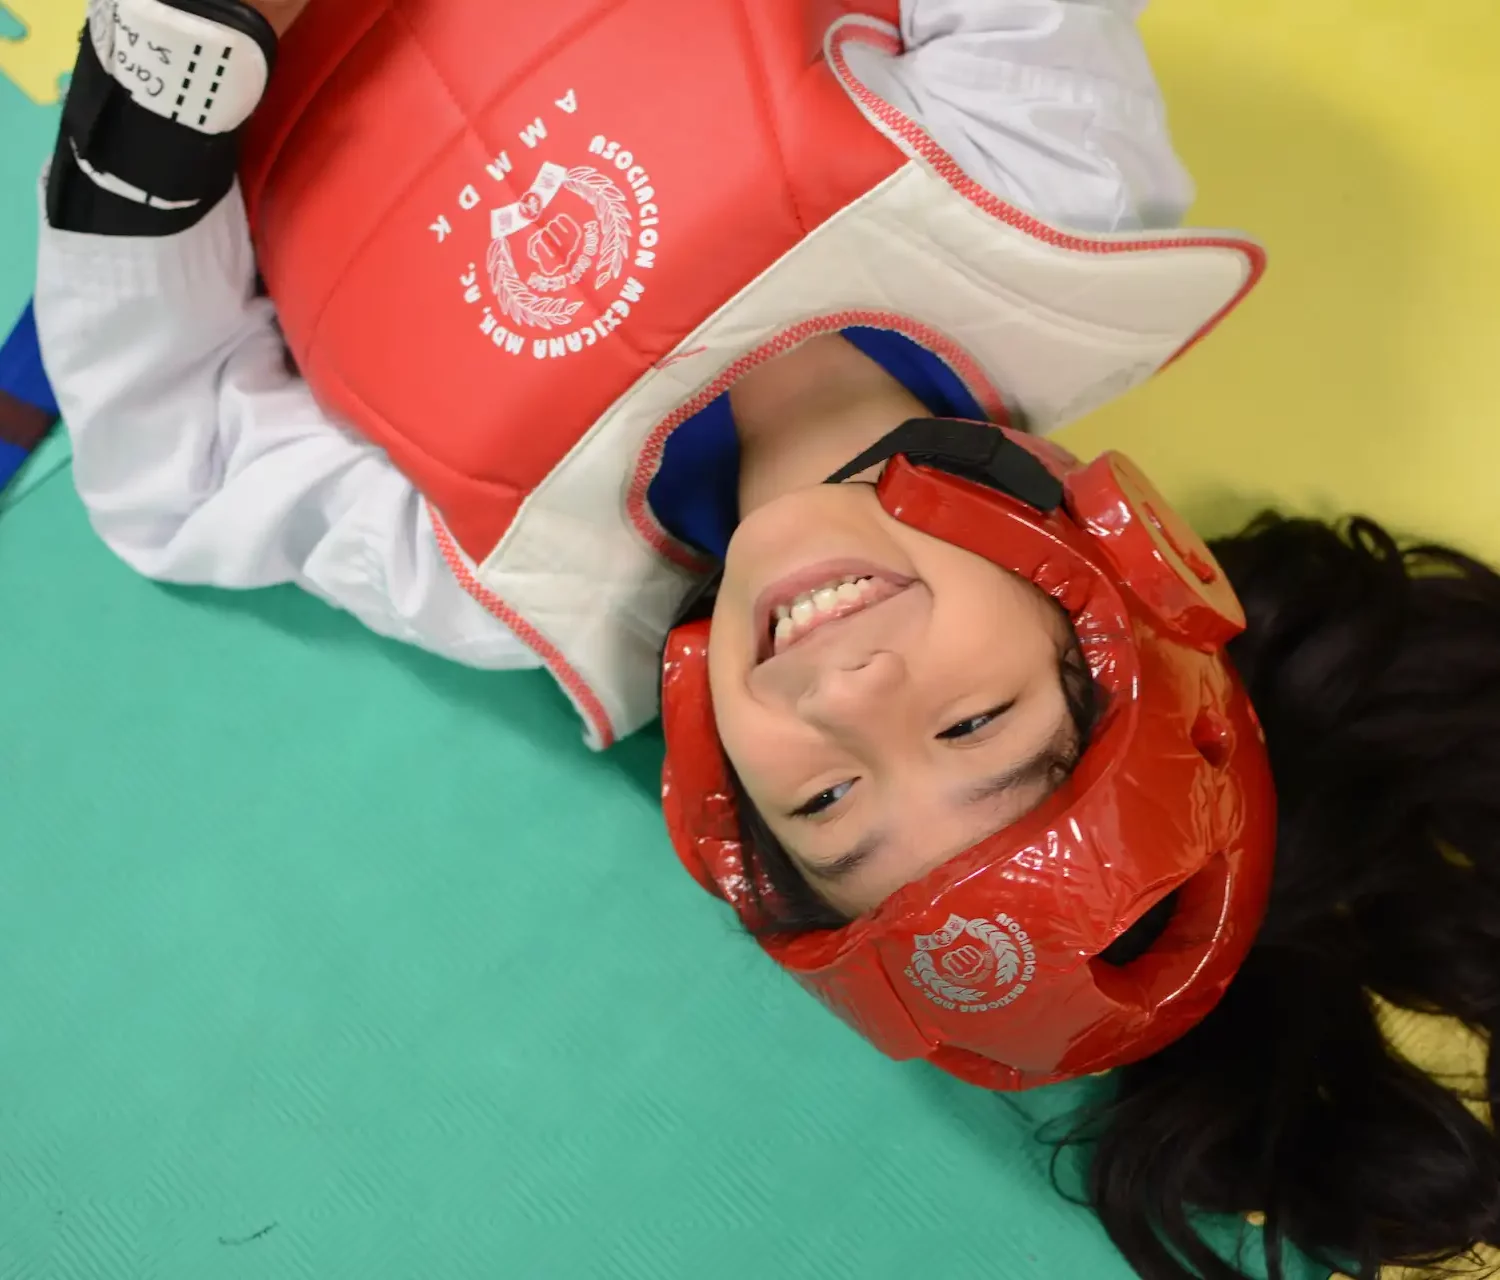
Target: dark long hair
{"type": "Point", "coordinates": [1376, 672]}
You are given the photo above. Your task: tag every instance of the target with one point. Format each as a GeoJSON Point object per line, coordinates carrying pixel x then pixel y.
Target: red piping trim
{"type": "Point", "coordinates": [649, 462]}
{"type": "Point", "coordinates": [915, 141]}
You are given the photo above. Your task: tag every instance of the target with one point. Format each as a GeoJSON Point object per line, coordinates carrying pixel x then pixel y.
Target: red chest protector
{"type": "Point", "coordinates": [547, 196]}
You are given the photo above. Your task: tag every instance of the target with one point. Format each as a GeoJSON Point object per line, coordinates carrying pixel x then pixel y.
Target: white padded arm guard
{"type": "Point", "coordinates": [200, 63]}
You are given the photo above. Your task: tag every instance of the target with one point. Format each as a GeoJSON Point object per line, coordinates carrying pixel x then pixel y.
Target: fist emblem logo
{"type": "Point", "coordinates": [555, 246]}
{"type": "Point", "coordinates": [968, 964]}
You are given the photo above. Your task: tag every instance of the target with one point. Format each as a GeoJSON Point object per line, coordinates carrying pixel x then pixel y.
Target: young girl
{"type": "Point", "coordinates": [593, 298]}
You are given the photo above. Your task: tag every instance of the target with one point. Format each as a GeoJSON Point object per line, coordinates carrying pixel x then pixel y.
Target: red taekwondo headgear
{"type": "Point", "coordinates": [990, 966]}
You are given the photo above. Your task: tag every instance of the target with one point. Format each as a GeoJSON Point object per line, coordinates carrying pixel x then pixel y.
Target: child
{"type": "Point", "coordinates": [594, 299]}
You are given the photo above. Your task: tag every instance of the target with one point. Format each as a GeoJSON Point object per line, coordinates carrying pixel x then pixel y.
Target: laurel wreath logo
{"type": "Point", "coordinates": [607, 235]}
{"type": "Point", "coordinates": [1007, 958]}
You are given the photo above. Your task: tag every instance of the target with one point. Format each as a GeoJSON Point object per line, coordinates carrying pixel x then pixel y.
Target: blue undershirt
{"type": "Point", "coordinates": [24, 380]}
{"type": "Point", "coordinates": [695, 494]}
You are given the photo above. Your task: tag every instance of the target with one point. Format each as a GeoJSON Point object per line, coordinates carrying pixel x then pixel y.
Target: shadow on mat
{"type": "Point", "coordinates": [528, 702]}
{"type": "Point", "coordinates": [1016, 1130]}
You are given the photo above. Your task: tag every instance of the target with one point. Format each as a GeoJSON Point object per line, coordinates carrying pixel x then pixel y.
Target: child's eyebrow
{"type": "Point", "coordinates": [844, 864]}
{"type": "Point", "coordinates": [1034, 767]}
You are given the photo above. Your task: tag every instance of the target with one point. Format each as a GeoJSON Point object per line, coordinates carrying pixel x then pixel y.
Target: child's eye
{"type": "Point", "coordinates": [974, 723]}
{"type": "Point", "coordinates": [825, 799]}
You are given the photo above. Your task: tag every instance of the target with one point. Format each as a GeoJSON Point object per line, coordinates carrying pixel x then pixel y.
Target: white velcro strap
{"type": "Point", "coordinates": [119, 187]}
{"type": "Point", "coordinates": [204, 74]}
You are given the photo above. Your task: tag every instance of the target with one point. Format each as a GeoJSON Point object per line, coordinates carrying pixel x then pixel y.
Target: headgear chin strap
{"type": "Point", "coordinates": [990, 966]}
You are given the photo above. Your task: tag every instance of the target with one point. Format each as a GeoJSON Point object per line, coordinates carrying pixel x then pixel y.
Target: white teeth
{"type": "Point", "coordinates": [792, 618]}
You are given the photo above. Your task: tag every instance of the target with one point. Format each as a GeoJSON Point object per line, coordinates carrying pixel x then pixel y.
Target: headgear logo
{"type": "Point", "coordinates": [970, 976]}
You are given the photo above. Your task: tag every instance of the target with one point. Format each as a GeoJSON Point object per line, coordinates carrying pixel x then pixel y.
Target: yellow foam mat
{"type": "Point", "coordinates": [39, 51]}
{"type": "Point", "coordinates": [1357, 140]}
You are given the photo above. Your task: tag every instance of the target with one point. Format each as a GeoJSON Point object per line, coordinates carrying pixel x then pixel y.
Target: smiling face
{"type": "Point", "coordinates": [887, 699]}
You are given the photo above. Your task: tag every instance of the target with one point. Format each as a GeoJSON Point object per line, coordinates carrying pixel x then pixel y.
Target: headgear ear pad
{"type": "Point", "coordinates": [990, 965]}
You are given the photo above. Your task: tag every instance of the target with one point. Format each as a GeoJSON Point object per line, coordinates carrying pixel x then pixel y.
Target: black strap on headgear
{"type": "Point", "coordinates": [976, 451]}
